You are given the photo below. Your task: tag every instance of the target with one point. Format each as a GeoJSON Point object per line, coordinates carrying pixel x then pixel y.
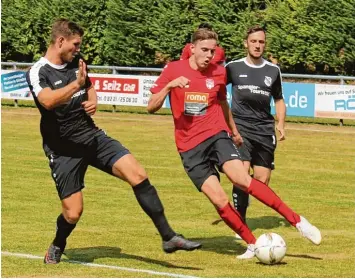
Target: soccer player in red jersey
{"type": "Point", "coordinates": [206, 136]}
{"type": "Point", "coordinates": [218, 57]}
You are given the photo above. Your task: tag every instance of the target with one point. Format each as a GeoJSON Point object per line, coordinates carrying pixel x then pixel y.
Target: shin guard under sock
{"type": "Point", "coordinates": [268, 197]}
{"type": "Point", "coordinates": [64, 229]}
{"type": "Point", "coordinates": [232, 218]}
{"type": "Point", "coordinates": [149, 201]}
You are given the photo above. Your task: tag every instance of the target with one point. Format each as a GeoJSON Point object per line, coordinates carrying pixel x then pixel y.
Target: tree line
{"type": "Point", "coordinates": [303, 36]}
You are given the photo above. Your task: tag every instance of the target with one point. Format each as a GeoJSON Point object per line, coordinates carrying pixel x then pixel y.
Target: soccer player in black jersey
{"type": "Point", "coordinates": [66, 100]}
{"type": "Point", "coordinates": [255, 82]}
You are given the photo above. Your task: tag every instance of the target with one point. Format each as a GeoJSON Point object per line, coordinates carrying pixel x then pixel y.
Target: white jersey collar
{"type": "Point", "coordinates": [58, 67]}
{"type": "Point", "coordinates": [255, 66]}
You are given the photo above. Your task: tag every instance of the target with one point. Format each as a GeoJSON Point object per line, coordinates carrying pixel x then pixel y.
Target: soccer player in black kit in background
{"type": "Point", "coordinates": [254, 82]}
{"type": "Point", "coordinates": [66, 98]}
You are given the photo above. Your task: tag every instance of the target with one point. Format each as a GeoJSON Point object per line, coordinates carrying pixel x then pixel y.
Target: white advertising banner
{"type": "Point", "coordinates": [126, 90]}
{"type": "Point", "coordinates": [335, 101]}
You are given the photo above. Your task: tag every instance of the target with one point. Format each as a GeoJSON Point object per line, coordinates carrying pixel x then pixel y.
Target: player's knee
{"type": "Point", "coordinates": [220, 200]}
{"type": "Point", "coordinates": [263, 178]}
{"type": "Point", "coordinates": [139, 175]}
{"type": "Point", "coordinates": [73, 216]}
{"type": "Point", "coordinates": [243, 180]}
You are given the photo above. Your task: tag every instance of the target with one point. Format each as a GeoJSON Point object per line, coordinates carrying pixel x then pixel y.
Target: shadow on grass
{"type": "Point", "coordinates": [264, 222]}
{"type": "Point", "coordinates": [280, 263]}
{"type": "Point", "coordinates": [228, 245]}
{"type": "Point", "coordinates": [304, 256]}
{"type": "Point", "coordinates": [89, 254]}
{"type": "Point", "coordinates": [225, 245]}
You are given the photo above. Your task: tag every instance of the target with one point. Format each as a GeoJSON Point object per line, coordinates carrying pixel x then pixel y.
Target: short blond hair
{"type": "Point", "coordinates": [203, 34]}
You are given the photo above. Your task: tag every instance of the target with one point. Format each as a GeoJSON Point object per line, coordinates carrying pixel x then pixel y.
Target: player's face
{"type": "Point", "coordinates": [70, 47]}
{"type": "Point", "coordinates": [203, 52]}
{"type": "Point", "coordinates": [255, 44]}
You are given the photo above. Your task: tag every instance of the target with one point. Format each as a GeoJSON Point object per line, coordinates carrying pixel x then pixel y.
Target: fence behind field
{"type": "Point", "coordinates": [130, 86]}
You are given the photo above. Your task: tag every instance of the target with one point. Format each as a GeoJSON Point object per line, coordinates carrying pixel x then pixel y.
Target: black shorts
{"type": "Point", "coordinates": [201, 161]}
{"type": "Point", "coordinates": [258, 150]}
{"type": "Point", "coordinates": [68, 172]}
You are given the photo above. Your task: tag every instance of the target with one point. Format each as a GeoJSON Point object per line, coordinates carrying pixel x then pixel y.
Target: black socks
{"type": "Point", "coordinates": [148, 199]}
{"type": "Point", "coordinates": [63, 231]}
{"type": "Point", "coordinates": [240, 201]}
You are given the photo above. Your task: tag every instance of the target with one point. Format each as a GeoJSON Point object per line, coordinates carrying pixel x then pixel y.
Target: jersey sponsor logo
{"type": "Point", "coordinates": [195, 103]}
{"type": "Point", "coordinates": [268, 81]}
{"type": "Point", "coordinates": [243, 75]}
{"type": "Point", "coordinates": [58, 82]}
{"type": "Point", "coordinates": [81, 92]}
{"type": "Point", "coordinates": [209, 83]}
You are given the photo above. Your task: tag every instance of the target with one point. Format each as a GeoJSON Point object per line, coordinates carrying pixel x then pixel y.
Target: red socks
{"type": "Point", "coordinates": [264, 194]}
{"type": "Point", "coordinates": [232, 218]}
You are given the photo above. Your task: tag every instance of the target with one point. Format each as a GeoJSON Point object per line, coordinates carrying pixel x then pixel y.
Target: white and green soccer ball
{"type": "Point", "coordinates": [270, 248]}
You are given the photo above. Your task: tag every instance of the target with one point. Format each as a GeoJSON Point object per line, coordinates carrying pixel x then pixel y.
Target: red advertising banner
{"type": "Point", "coordinates": [115, 84]}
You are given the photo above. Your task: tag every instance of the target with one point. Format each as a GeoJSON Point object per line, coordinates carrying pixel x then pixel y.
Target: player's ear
{"type": "Point", "coordinates": [60, 41]}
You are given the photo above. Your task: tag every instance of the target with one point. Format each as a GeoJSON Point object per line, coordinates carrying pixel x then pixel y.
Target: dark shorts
{"type": "Point", "coordinates": [258, 150]}
{"type": "Point", "coordinates": [68, 172]}
{"type": "Point", "coordinates": [201, 161]}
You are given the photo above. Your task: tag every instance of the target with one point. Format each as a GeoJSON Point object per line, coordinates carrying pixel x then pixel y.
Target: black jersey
{"type": "Point", "coordinates": [252, 89]}
{"type": "Point", "coordinates": [67, 125]}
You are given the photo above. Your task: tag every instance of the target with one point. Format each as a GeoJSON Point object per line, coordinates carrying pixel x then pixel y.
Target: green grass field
{"type": "Point", "coordinates": [314, 175]}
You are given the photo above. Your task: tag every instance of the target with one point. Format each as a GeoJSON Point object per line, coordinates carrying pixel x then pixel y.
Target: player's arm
{"type": "Point", "coordinates": [90, 105]}
{"type": "Point", "coordinates": [156, 101]}
{"type": "Point", "coordinates": [230, 122]}
{"type": "Point", "coordinates": [280, 106]}
{"type": "Point", "coordinates": [50, 99]}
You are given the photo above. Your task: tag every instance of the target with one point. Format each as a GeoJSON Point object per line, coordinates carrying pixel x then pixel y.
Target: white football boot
{"type": "Point", "coordinates": [249, 253]}
{"type": "Point", "coordinates": [309, 231]}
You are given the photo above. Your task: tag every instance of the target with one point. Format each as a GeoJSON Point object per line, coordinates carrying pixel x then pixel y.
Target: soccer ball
{"type": "Point", "coordinates": [270, 248]}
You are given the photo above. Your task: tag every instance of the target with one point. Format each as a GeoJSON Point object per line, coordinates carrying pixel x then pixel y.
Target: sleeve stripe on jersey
{"type": "Point", "coordinates": [34, 77]}
{"type": "Point", "coordinates": [272, 64]}
{"type": "Point", "coordinates": [233, 61]}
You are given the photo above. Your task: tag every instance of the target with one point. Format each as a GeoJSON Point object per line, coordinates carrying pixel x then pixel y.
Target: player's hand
{"type": "Point", "coordinates": [89, 107]}
{"type": "Point", "coordinates": [281, 130]}
{"type": "Point", "coordinates": [81, 77]}
{"type": "Point", "coordinates": [179, 82]}
{"type": "Point", "coordinates": [237, 139]}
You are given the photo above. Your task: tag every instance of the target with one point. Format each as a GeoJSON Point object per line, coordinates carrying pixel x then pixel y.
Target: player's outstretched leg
{"type": "Point", "coordinates": [149, 200]}
{"type": "Point", "coordinates": [264, 194]}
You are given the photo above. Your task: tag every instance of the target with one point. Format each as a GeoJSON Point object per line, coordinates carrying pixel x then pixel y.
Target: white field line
{"type": "Point", "coordinates": [117, 118]}
{"type": "Point", "coordinates": [163, 274]}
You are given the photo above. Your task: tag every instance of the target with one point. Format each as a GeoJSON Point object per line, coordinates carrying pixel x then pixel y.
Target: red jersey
{"type": "Point", "coordinates": [218, 58]}
{"type": "Point", "coordinates": [196, 110]}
